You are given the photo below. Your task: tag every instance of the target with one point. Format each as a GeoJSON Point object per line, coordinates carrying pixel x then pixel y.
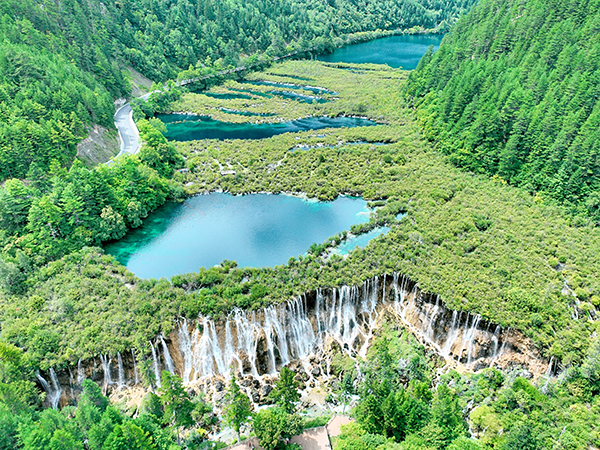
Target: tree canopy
{"type": "Point", "coordinates": [512, 93]}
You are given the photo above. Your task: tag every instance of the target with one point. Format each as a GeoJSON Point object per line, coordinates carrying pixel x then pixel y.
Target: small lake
{"type": "Point", "coordinates": [395, 51]}
{"type": "Point", "coordinates": [185, 127]}
{"type": "Point", "coordinates": [257, 230]}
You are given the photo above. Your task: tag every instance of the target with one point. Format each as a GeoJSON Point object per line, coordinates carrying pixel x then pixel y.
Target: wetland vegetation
{"type": "Point", "coordinates": [484, 244]}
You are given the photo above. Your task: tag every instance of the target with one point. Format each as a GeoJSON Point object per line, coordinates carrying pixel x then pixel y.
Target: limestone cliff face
{"type": "Point", "coordinates": [304, 332]}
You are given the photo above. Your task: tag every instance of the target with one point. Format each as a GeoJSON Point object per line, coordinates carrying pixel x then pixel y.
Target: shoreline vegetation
{"type": "Point", "coordinates": [503, 253]}
{"type": "Point", "coordinates": [483, 246]}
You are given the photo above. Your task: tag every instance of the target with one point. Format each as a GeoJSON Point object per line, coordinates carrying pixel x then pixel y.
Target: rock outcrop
{"type": "Point", "coordinates": [304, 333]}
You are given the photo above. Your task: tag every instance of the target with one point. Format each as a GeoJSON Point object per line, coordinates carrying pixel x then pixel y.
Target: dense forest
{"type": "Point", "coordinates": [513, 93]}
{"type": "Point", "coordinates": [399, 402]}
{"type": "Point", "coordinates": [63, 63]}
{"type": "Point", "coordinates": [462, 234]}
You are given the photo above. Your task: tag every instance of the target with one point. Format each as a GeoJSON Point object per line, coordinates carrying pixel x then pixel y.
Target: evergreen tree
{"type": "Point", "coordinates": [238, 409]}
{"type": "Point", "coordinates": [285, 393]}
{"type": "Point", "coordinates": [272, 425]}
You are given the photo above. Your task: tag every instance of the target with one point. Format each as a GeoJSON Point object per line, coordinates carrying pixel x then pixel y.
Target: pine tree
{"type": "Point", "coordinates": [238, 409]}
{"type": "Point", "coordinates": [285, 394]}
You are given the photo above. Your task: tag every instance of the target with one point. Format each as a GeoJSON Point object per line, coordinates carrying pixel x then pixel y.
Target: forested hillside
{"type": "Point", "coordinates": [63, 63]}
{"type": "Point", "coordinates": [513, 92]}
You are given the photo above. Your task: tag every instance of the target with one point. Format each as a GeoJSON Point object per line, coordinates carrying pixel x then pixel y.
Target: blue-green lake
{"type": "Point", "coordinates": [360, 241]}
{"type": "Point", "coordinates": [257, 230]}
{"type": "Point", "coordinates": [185, 127]}
{"type": "Point", "coordinates": [395, 51]}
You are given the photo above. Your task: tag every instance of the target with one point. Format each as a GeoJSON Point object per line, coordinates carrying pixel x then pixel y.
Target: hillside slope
{"type": "Point", "coordinates": [513, 92]}
{"type": "Point", "coordinates": [63, 63]}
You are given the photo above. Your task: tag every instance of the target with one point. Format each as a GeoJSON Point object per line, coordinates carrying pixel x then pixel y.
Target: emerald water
{"type": "Point", "coordinates": [185, 127]}
{"type": "Point", "coordinates": [314, 89]}
{"type": "Point", "coordinates": [257, 230]}
{"type": "Point", "coordinates": [227, 96]}
{"type": "Point", "coordinates": [395, 51]}
{"type": "Point", "coordinates": [246, 113]}
{"type": "Point", "coordinates": [360, 241]}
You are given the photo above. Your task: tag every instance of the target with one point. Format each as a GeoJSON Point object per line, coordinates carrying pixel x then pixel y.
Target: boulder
{"type": "Point", "coordinates": [266, 390]}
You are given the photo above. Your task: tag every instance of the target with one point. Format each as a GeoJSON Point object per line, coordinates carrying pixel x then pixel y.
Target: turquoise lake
{"type": "Point", "coordinates": [360, 241]}
{"type": "Point", "coordinates": [395, 51]}
{"type": "Point", "coordinates": [185, 127]}
{"type": "Point", "coordinates": [257, 230]}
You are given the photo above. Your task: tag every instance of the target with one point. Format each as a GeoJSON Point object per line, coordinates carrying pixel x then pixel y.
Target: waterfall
{"type": "Point", "coordinates": [471, 339]}
{"type": "Point", "coordinates": [135, 370]}
{"type": "Point", "coordinates": [53, 389]}
{"type": "Point", "coordinates": [259, 343]}
{"type": "Point", "coordinates": [155, 365]}
{"type": "Point", "coordinates": [121, 382]}
{"type": "Point", "coordinates": [185, 347]}
{"type": "Point", "coordinates": [168, 360]}
{"type": "Point", "coordinates": [548, 373]}
{"type": "Point", "coordinates": [305, 329]}
{"type": "Point", "coordinates": [105, 360]}
{"type": "Point", "coordinates": [452, 334]}
{"type": "Point", "coordinates": [80, 372]}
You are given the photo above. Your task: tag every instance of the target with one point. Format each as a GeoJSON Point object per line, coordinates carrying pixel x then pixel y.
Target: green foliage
{"type": "Point", "coordinates": [9, 427]}
{"type": "Point", "coordinates": [72, 209]}
{"type": "Point", "coordinates": [285, 393]}
{"type": "Point", "coordinates": [387, 406]}
{"type": "Point", "coordinates": [151, 405]}
{"type": "Point", "coordinates": [238, 409]}
{"type": "Point", "coordinates": [272, 425]}
{"type": "Point", "coordinates": [447, 415]}
{"type": "Point", "coordinates": [509, 94]}
{"type": "Point", "coordinates": [93, 424]}
{"type": "Point", "coordinates": [175, 400]}
{"type": "Point", "coordinates": [128, 436]}
{"type": "Point", "coordinates": [157, 153]}
{"type": "Point", "coordinates": [319, 421]}
{"type": "Point", "coordinates": [63, 440]}
{"type": "Point", "coordinates": [62, 66]}
{"type": "Point", "coordinates": [17, 391]}
{"type": "Point", "coordinates": [503, 412]}
{"type": "Point", "coordinates": [46, 99]}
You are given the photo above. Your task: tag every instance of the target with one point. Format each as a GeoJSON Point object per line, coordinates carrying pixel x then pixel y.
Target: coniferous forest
{"type": "Point", "coordinates": [515, 95]}
{"type": "Point", "coordinates": [63, 63]}
{"type": "Point", "coordinates": [481, 165]}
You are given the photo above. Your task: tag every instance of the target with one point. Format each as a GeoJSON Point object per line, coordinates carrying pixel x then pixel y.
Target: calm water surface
{"type": "Point", "coordinates": [395, 51]}
{"type": "Point", "coordinates": [257, 230]}
{"type": "Point", "coordinates": [360, 241]}
{"type": "Point", "coordinates": [184, 127]}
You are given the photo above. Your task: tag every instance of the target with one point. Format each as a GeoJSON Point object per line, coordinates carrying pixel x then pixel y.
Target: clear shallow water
{"type": "Point", "coordinates": [257, 230]}
{"type": "Point", "coordinates": [299, 97]}
{"type": "Point", "coordinates": [184, 127]}
{"type": "Point", "coordinates": [226, 96]}
{"type": "Point", "coordinates": [359, 241]}
{"type": "Point", "coordinates": [245, 113]}
{"type": "Point", "coordinates": [313, 89]}
{"type": "Point", "coordinates": [395, 51]}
